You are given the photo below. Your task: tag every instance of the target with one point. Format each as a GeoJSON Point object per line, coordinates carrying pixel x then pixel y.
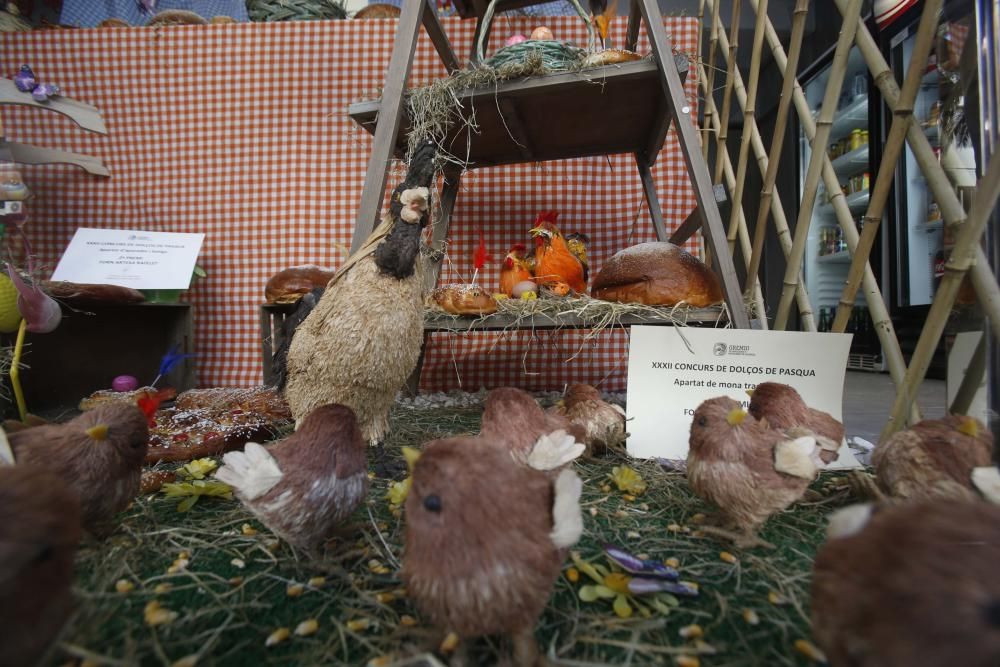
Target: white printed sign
{"type": "Point", "coordinates": [671, 370]}
{"type": "Point", "coordinates": [141, 260]}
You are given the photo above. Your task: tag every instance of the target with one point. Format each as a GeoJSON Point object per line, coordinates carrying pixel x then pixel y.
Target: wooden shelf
{"type": "Point", "coordinates": [436, 321]}
{"type": "Point", "coordinates": [599, 111]}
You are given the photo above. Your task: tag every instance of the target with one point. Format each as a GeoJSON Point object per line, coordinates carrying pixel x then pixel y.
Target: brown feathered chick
{"type": "Point", "coordinates": [39, 531]}
{"type": "Point", "coordinates": [748, 470]}
{"type": "Point", "coordinates": [602, 423]}
{"type": "Point", "coordinates": [914, 584]}
{"type": "Point", "coordinates": [99, 454]}
{"type": "Point", "coordinates": [308, 484]}
{"type": "Point", "coordinates": [486, 539]}
{"type": "Point", "coordinates": [934, 458]}
{"type": "Point", "coordinates": [783, 408]}
{"type": "Point", "coordinates": [513, 420]}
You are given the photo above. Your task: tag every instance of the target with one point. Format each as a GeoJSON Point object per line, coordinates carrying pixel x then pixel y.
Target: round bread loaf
{"type": "Point", "coordinates": [290, 285]}
{"type": "Point", "coordinates": [464, 300]}
{"type": "Point", "coordinates": [656, 274]}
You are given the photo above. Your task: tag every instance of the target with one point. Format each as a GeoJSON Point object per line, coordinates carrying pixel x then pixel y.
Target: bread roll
{"type": "Point", "coordinates": [464, 300]}
{"type": "Point", "coordinates": [87, 293]}
{"type": "Point", "coordinates": [290, 285]}
{"type": "Point", "coordinates": [657, 274]}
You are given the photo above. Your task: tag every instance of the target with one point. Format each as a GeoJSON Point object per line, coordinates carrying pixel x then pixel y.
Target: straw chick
{"type": "Point", "coordinates": [748, 470]}
{"type": "Point", "coordinates": [602, 423]}
{"type": "Point", "coordinates": [39, 531]}
{"type": "Point", "coordinates": [363, 338]}
{"type": "Point", "coordinates": [783, 408]}
{"type": "Point", "coordinates": [307, 485]}
{"type": "Point", "coordinates": [915, 584]}
{"type": "Point", "coordinates": [935, 458]}
{"type": "Point", "coordinates": [99, 454]}
{"type": "Point", "coordinates": [513, 421]}
{"type": "Point", "coordinates": [486, 539]}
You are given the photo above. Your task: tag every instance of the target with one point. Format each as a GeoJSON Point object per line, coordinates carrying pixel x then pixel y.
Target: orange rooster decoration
{"type": "Point", "coordinates": [514, 269]}
{"type": "Point", "coordinates": [554, 261]}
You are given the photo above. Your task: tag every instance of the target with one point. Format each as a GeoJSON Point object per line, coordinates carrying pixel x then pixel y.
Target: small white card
{"type": "Point", "coordinates": [137, 259]}
{"type": "Point", "coordinates": [671, 370]}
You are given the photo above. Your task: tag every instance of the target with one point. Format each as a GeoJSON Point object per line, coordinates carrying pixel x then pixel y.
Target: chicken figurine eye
{"type": "Point", "coordinates": [702, 421]}
{"type": "Point", "coordinates": [432, 503]}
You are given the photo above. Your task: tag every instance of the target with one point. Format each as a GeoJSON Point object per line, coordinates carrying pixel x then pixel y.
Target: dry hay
{"type": "Point", "coordinates": [364, 617]}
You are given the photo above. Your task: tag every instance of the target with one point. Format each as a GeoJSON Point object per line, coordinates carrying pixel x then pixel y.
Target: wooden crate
{"type": "Point", "coordinates": [272, 316]}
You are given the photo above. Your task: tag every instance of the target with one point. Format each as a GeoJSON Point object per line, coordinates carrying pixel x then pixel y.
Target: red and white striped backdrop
{"type": "Point", "coordinates": [240, 131]}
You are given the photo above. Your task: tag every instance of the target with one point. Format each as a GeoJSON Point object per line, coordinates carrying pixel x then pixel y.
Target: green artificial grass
{"type": "Point", "coordinates": [362, 612]}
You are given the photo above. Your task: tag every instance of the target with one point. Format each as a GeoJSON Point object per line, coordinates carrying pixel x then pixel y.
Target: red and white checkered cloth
{"type": "Point", "coordinates": [240, 131]}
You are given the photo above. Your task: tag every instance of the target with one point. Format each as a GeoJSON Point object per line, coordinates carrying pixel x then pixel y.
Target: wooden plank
{"type": "Point", "coordinates": [472, 9]}
{"type": "Point", "coordinates": [701, 181]}
{"type": "Point", "coordinates": [652, 200]}
{"type": "Point", "coordinates": [439, 38]}
{"type": "Point", "coordinates": [693, 222]}
{"type": "Point", "coordinates": [632, 33]}
{"type": "Point", "coordinates": [86, 116]}
{"type": "Point", "coordinates": [659, 134]}
{"type": "Point", "coordinates": [449, 194]}
{"type": "Point", "coordinates": [267, 346]}
{"type": "Point", "coordinates": [28, 154]}
{"type": "Point", "coordinates": [512, 119]}
{"type": "Point", "coordinates": [389, 117]}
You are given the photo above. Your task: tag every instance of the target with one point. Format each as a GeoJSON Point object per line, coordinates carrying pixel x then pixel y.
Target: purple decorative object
{"type": "Point", "coordinates": [149, 6]}
{"type": "Point", "coordinates": [44, 91]}
{"type": "Point", "coordinates": [125, 383]}
{"type": "Point", "coordinates": [25, 79]}
{"type": "Point", "coordinates": [643, 586]}
{"type": "Point", "coordinates": [515, 39]}
{"type": "Point", "coordinates": [649, 568]}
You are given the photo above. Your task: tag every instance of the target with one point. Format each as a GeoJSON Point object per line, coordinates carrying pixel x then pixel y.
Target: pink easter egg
{"type": "Point", "coordinates": [515, 39]}
{"type": "Point", "coordinates": [125, 383]}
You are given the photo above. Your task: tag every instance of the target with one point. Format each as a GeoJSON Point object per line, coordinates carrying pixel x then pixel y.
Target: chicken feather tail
{"type": "Point", "coordinates": [987, 480]}
{"type": "Point", "coordinates": [554, 450]}
{"type": "Point", "coordinates": [6, 452]}
{"type": "Point", "coordinates": [567, 518]}
{"type": "Point", "coordinates": [798, 457]}
{"type": "Point", "coordinates": [253, 472]}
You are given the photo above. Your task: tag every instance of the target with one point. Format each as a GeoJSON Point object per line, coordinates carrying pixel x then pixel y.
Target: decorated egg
{"type": "Point", "coordinates": [515, 39]}
{"type": "Point", "coordinates": [541, 32]}
{"type": "Point", "coordinates": [10, 316]}
{"type": "Point", "coordinates": [125, 383]}
{"type": "Point", "coordinates": [524, 287]}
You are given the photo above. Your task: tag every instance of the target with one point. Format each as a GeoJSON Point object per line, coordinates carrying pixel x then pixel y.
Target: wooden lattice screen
{"type": "Point", "coordinates": [967, 258]}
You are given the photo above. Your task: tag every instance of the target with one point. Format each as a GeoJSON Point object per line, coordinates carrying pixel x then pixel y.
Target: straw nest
{"type": "Point", "coordinates": [295, 10]}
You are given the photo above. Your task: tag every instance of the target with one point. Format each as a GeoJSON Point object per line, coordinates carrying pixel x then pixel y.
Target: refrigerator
{"type": "Point", "coordinates": [913, 244]}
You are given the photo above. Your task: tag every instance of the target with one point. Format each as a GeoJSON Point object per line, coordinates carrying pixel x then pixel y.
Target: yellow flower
{"type": "Point", "coordinates": [529, 296]}
{"type": "Point", "coordinates": [398, 491]}
{"type": "Point", "coordinates": [198, 468]}
{"type": "Point", "coordinates": [622, 607]}
{"type": "Point", "coordinates": [617, 582]}
{"type": "Point", "coordinates": [628, 480]}
{"type": "Point", "coordinates": [194, 490]}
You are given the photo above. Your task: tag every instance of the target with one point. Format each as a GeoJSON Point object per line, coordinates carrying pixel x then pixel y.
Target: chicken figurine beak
{"type": "Point", "coordinates": [98, 432]}
{"type": "Point", "coordinates": [969, 427]}
{"type": "Point", "coordinates": [750, 392]}
{"type": "Point", "coordinates": [736, 417]}
{"type": "Point", "coordinates": [412, 455]}
{"type": "Point", "coordinates": [541, 231]}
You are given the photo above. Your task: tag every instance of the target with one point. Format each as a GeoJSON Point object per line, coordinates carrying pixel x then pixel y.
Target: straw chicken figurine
{"type": "Point", "coordinates": [39, 531]}
{"type": "Point", "coordinates": [936, 458]}
{"type": "Point", "coordinates": [363, 338]}
{"type": "Point", "coordinates": [783, 408]}
{"type": "Point", "coordinates": [514, 421]}
{"type": "Point", "coordinates": [98, 454]}
{"type": "Point", "coordinates": [602, 423]}
{"type": "Point", "coordinates": [748, 470]}
{"type": "Point", "coordinates": [555, 263]}
{"type": "Point", "coordinates": [307, 485]}
{"type": "Point", "coordinates": [514, 269]}
{"type": "Point", "coordinates": [486, 539]}
{"type": "Point", "coordinates": [915, 584]}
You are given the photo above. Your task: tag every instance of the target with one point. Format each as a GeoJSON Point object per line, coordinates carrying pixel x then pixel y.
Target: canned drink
{"type": "Point", "coordinates": [866, 181]}
{"type": "Point", "coordinates": [855, 139]}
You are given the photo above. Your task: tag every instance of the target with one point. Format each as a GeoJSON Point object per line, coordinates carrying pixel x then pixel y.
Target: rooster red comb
{"type": "Point", "coordinates": [519, 247]}
{"type": "Point", "coordinates": [549, 217]}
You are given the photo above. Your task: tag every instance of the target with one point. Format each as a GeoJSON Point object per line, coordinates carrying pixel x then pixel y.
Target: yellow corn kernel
{"type": "Point", "coordinates": [184, 555]}
{"type": "Point", "coordinates": [628, 497]}
{"type": "Point", "coordinates": [674, 528]}
{"type": "Point", "coordinates": [154, 614]}
{"type": "Point", "coordinates": [692, 631]}
{"type": "Point", "coordinates": [573, 574]}
{"type": "Point", "coordinates": [593, 511]}
{"type": "Point", "coordinates": [380, 661]}
{"type": "Point", "coordinates": [809, 650]}
{"type": "Point", "coordinates": [276, 637]}
{"type": "Point", "coordinates": [692, 584]}
{"type": "Point", "coordinates": [606, 488]}
{"type": "Point", "coordinates": [248, 530]}
{"type": "Point", "coordinates": [235, 581]}
{"type": "Point", "coordinates": [358, 624]}
{"type": "Point", "coordinates": [162, 588]}
{"type": "Point", "coordinates": [672, 562]}
{"type": "Point", "coordinates": [407, 621]}
{"type": "Point", "coordinates": [124, 586]}
{"type": "Point", "coordinates": [697, 533]}
{"type": "Point", "coordinates": [186, 661]}
{"type": "Point", "coordinates": [450, 643]}
{"type": "Point", "coordinates": [272, 545]}
{"type": "Point", "coordinates": [385, 598]}
{"type": "Point", "coordinates": [238, 563]}
{"type": "Point", "coordinates": [727, 557]}
{"type": "Point", "coordinates": [294, 590]}
{"type": "Point", "coordinates": [306, 627]}
{"type": "Point", "coordinates": [633, 535]}
{"type": "Point", "coordinates": [697, 518]}
{"type": "Point", "coordinates": [774, 597]}
{"type": "Point", "coordinates": [687, 661]}
{"type": "Point", "coordinates": [751, 617]}
{"type": "Point", "coordinates": [317, 582]}
{"type": "Point", "coordinates": [685, 529]}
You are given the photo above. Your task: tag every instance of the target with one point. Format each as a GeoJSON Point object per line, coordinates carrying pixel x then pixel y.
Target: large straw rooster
{"type": "Point", "coordinates": [363, 339]}
{"type": "Point", "coordinates": [554, 261]}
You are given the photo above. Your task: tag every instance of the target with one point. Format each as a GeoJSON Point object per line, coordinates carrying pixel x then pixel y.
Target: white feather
{"type": "Point", "coordinates": [567, 519]}
{"type": "Point", "coordinates": [253, 472]}
{"type": "Point", "coordinates": [554, 450]}
{"type": "Point", "coordinates": [987, 480]}
{"type": "Point", "coordinates": [6, 453]}
{"type": "Point", "coordinates": [619, 409]}
{"type": "Point", "coordinates": [798, 457]}
{"type": "Point", "coordinates": [848, 520]}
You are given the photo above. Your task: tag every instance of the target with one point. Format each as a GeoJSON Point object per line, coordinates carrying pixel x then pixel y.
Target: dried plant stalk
{"type": "Point", "coordinates": [901, 120]}
{"type": "Point", "coordinates": [732, 71]}
{"type": "Point", "coordinates": [777, 144]}
{"type": "Point", "coordinates": [820, 139]}
{"type": "Point", "coordinates": [713, 44]}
